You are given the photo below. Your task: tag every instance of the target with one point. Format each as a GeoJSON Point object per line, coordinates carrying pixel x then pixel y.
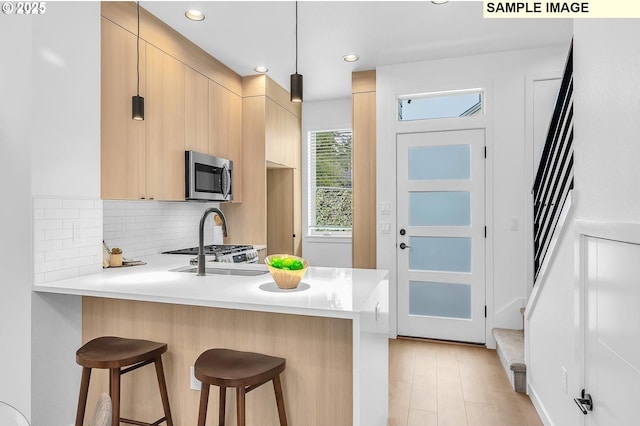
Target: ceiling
{"type": "Point", "coordinates": [244, 34]}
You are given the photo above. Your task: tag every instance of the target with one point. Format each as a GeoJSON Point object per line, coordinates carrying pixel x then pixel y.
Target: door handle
{"type": "Point", "coordinates": [404, 246]}
{"type": "Point", "coordinates": [585, 403]}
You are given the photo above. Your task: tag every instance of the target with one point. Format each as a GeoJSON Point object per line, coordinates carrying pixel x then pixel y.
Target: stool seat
{"type": "Point", "coordinates": [120, 356]}
{"type": "Point", "coordinates": [117, 352]}
{"type": "Point", "coordinates": [244, 371]}
{"type": "Point", "coordinates": [229, 368]}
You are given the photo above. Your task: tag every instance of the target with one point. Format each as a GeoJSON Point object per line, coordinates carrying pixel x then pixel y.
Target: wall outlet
{"type": "Point", "coordinates": [194, 383]}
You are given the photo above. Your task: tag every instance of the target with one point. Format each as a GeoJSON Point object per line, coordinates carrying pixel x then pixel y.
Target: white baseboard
{"type": "Point", "coordinates": [509, 315]}
{"type": "Point", "coordinates": [542, 413]}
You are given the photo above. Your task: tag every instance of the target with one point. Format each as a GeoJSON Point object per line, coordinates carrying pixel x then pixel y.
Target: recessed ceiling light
{"type": "Point", "coordinates": [439, 1]}
{"type": "Point", "coordinates": [261, 69]}
{"type": "Point", "coordinates": [194, 15]}
{"type": "Point", "coordinates": [351, 57]}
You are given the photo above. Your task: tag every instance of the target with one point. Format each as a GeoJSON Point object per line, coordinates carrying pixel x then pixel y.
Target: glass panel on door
{"type": "Point", "coordinates": [439, 162]}
{"type": "Point", "coordinates": [440, 208]}
{"type": "Point", "coordinates": [440, 299]}
{"type": "Point", "coordinates": [451, 254]}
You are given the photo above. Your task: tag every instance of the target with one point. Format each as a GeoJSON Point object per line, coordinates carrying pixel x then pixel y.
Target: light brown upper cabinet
{"type": "Point", "coordinates": [225, 131]}
{"type": "Point", "coordinates": [123, 162]}
{"type": "Point", "coordinates": [282, 136]}
{"type": "Point", "coordinates": [192, 102]}
{"type": "Point", "coordinates": [196, 131]}
{"type": "Point", "coordinates": [141, 159]}
{"type": "Point", "coordinates": [271, 159]}
{"type": "Point", "coordinates": [165, 108]}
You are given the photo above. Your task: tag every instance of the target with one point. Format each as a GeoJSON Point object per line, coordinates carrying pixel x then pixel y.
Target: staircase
{"type": "Point", "coordinates": [553, 182]}
{"type": "Point", "coordinates": [510, 348]}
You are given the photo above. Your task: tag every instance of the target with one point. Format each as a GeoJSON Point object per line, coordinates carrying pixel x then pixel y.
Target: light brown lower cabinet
{"type": "Point", "coordinates": [317, 382]}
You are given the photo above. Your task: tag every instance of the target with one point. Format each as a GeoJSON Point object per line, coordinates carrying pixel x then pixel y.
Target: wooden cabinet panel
{"type": "Point", "coordinates": [196, 110]}
{"type": "Point", "coordinates": [122, 148]}
{"type": "Point", "coordinates": [364, 179]}
{"type": "Point", "coordinates": [282, 135]}
{"type": "Point", "coordinates": [145, 159]}
{"type": "Point", "coordinates": [280, 201]}
{"type": "Point", "coordinates": [165, 109]}
{"type": "Point", "coordinates": [225, 131]}
{"type": "Point", "coordinates": [247, 222]}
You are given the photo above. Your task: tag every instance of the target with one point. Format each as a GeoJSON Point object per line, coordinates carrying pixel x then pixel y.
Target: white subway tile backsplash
{"type": "Point", "coordinates": [61, 213]}
{"type": "Point", "coordinates": [46, 245]}
{"type": "Point", "coordinates": [62, 254]}
{"type": "Point", "coordinates": [47, 224]}
{"type": "Point", "coordinates": [67, 238]}
{"type": "Point", "coordinates": [68, 233]}
{"type": "Point", "coordinates": [47, 203]}
{"type": "Point", "coordinates": [79, 204]}
{"type": "Point", "coordinates": [142, 228]}
{"type": "Point", "coordinates": [58, 234]}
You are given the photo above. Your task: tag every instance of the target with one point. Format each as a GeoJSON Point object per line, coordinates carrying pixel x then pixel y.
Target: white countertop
{"type": "Point", "coordinates": [326, 292]}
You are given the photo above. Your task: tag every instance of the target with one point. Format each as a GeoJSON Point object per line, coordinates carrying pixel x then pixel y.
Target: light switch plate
{"type": "Point", "coordinates": [385, 208]}
{"type": "Point", "coordinates": [385, 227]}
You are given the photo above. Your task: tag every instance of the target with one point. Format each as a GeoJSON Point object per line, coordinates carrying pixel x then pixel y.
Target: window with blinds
{"type": "Point", "coordinates": [330, 190]}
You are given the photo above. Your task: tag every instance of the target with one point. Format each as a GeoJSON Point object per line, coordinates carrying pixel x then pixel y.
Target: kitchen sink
{"type": "Point", "coordinates": [221, 271]}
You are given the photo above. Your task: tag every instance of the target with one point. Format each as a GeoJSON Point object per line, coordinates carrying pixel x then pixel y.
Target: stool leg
{"type": "Point", "coordinates": [240, 397]}
{"type": "Point", "coordinates": [114, 391]}
{"type": "Point", "coordinates": [277, 388]}
{"type": "Point", "coordinates": [82, 398]}
{"type": "Point", "coordinates": [204, 401]}
{"type": "Point", "coordinates": [222, 405]}
{"type": "Point", "coordinates": [163, 390]}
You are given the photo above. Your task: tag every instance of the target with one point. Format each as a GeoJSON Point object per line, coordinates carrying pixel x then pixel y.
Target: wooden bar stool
{"type": "Point", "coordinates": [244, 371]}
{"type": "Point", "coordinates": [114, 353]}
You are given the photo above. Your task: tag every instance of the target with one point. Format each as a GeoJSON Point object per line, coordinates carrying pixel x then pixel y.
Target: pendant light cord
{"type": "Point", "coordinates": [138, 52]}
{"type": "Point", "coordinates": [296, 37]}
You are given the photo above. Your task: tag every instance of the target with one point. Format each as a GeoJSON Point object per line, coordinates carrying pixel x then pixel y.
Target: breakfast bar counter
{"type": "Point", "coordinates": [332, 330]}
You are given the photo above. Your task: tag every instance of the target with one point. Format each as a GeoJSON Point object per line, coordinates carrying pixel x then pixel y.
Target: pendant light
{"type": "Point", "coordinates": [296, 79]}
{"type": "Point", "coordinates": [137, 101]}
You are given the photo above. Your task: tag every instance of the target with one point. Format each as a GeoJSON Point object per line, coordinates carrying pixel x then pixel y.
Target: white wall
{"type": "Point", "coordinates": [503, 75]}
{"type": "Point", "coordinates": [65, 135]}
{"type": "Point", "coordinates": [323, 115]}
{"type": "Point", "coordinates": [607, 131]}
{"type": "Point", "coordinates": [15, 214]}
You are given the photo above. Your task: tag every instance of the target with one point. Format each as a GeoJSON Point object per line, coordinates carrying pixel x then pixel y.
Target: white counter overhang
{"type": "Point", "coordinates": [331, 292]}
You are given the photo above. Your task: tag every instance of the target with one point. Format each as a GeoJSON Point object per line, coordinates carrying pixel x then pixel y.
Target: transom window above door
{"type": "Point", "coordinates": [429, 106]}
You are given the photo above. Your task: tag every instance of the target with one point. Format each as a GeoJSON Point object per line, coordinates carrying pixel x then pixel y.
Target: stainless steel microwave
{"type": "Point", "coordinates": [208, 178]}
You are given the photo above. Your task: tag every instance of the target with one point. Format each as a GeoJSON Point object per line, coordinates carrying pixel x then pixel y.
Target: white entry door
{"type": "Point", "coordinates": [612, 332]}
{"type": "Point", "coordinates": [441, 235]}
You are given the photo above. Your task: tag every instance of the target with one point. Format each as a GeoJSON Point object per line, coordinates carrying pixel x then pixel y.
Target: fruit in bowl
{"type": "Point", "coordinates": [287, 270]}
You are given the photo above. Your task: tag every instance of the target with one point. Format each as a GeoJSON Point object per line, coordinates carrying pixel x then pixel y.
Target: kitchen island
{"type": "Point", "coordinates": [332, 330]}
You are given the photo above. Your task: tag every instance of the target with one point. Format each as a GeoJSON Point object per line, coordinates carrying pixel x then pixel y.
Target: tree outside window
{"type": "Point", "coordinates": [330, 189]}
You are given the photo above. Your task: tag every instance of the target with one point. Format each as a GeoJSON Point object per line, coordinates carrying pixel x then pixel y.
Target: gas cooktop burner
{"type": "Point", "coordinates": [213, 249]}
{"type": "Point", "coordinates": [231, 253]}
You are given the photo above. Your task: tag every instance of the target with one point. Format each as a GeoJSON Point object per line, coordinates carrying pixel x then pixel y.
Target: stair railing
{"type": "Point", "coordinates": [554, 178]}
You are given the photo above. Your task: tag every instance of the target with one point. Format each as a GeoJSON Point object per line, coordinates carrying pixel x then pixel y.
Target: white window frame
{"type": "Point", "coordinates": [311, 225]}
